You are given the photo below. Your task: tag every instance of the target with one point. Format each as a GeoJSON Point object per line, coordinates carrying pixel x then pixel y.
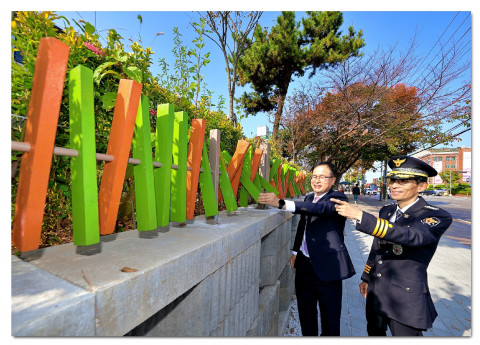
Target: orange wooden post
{"type": "Point", "coordinates": [257, 157]}
{"type": "Point", "coordinates": [194, 160]}
{"type": "Point", "coordinates": [41, 127]}
{"type": "Point", "coordinates": [121, 133]}
{"type": "Point", "coordinates": [234, 168]}
{"type": "Point", "coordinates": [279, 182]}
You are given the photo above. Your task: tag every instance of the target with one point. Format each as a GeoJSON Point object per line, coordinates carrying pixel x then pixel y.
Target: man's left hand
{"type": "Point", "coordinates": [268, 199]}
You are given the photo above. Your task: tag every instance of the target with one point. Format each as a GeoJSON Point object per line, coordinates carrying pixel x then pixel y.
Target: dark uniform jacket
{"type": "Point", "coordinates": [396, 269]}
{"type": "Point", "coordinates": [324, 236]}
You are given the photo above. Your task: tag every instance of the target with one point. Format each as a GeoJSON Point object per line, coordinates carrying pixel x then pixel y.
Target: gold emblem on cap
{"type": "Point", "coordinates": [399, 162]}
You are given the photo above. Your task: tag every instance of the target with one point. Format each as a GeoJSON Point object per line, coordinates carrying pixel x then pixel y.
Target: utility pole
{"type": "Point", "coordinates": [384, 182]}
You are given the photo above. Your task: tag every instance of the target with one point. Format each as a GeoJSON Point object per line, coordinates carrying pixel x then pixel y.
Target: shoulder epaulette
{"type": "Point", "coordinates": [430, 207]}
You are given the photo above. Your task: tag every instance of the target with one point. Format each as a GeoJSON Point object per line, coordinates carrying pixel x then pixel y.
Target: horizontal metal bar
{"type": "Point", "coordinates": [104, 157]}
{"type": "Point", "coordinates": [20, 146]}
{"type": "Point", "coordinates": [62, 151]}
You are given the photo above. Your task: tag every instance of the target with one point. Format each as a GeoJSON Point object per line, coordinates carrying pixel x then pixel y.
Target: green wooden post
{"type": "Point", "coordinates": [248, 187]}
{"type": "Point", "coordinates": [163, 154]}
{"type": "Point", "coordinates": [84, 166]}
{"type": "Point", "coordinates": [143, 173]}
{"type": "Point", "coordinates": [267, 186]}
{"type": "Point", "coordinates": [274, 169]}
{"type": "Point", "coordinates": [179, 176]}
{"type": "Point", "coordinates": [285, 168]}
{"type": "Point", "coordinates": [294, 174]}
{"type": "Point", "coordinates": [247, 164]}
{"type": "Point", "coordinates": [226, 186]}
{"type": "Point", "coordinates": [205, 180]}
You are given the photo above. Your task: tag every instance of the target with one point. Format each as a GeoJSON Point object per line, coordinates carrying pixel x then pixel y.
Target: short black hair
{"type": "Point", "coordinates": [330, 165]}
{"type": "Point", "coordinates": [420, 179]}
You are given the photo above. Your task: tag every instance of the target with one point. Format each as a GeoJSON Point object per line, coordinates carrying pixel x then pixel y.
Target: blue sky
{"type": "Point", "coordinates": [380, 29]}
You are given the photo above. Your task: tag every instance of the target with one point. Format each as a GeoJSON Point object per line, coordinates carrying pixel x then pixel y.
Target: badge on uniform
{"type": "Point", "coordinates": [397, 249]}
{"type": "Point", "coordinates": [432, 221]}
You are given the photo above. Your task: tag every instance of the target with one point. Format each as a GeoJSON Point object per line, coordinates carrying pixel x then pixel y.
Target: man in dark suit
{"type": "Point", "coordinates": [320, 256]}
{"type": "Point", "coordinates": [407, 233]}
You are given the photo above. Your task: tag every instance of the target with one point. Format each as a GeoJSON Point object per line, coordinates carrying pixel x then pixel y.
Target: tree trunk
{"type": "Point", "coordinates": [278, 115]}
{"type": "Point", "coordinates": [231, 91]}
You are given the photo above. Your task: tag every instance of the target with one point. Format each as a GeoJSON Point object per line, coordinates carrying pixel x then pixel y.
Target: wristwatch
{"type": "Point", "coordinates": [281, 203]}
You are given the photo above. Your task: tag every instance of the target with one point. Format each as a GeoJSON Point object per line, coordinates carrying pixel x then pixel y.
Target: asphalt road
{"type": "Point", "coordinates": [459, 207]}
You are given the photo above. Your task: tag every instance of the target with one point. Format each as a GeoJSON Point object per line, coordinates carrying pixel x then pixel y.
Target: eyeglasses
{"type": "Point", "coordinates": [400, 182]}
{"type": "Point", "coordinates": [320, 177]}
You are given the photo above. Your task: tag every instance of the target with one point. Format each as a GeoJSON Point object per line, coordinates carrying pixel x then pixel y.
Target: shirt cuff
{"type": "Point", "coordinates": [289, 206]}
{"type": "Point", "coordinates": [294, 252]}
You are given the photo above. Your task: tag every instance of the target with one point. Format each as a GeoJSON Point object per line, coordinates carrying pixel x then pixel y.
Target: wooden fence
{"type": "Point", "coordinates": [166, 185]}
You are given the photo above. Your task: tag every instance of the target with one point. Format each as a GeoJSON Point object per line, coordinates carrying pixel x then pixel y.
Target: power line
{"type": "Point", "coordinates": [433, 59]}
{"type": "Point", "coordinates": [436, 43]}
{"type": "Point", "coordinates": [441, 142]}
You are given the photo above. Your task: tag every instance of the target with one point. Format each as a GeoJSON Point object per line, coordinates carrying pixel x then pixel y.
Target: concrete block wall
{"type": "Point", "coordinates": [230, 279]}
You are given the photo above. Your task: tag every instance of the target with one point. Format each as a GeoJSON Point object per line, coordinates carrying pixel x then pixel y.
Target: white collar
{"type": "Point", "coordinates": [404, 209]}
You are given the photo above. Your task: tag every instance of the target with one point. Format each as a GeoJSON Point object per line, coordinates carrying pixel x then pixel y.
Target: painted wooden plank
{"type": "Point", "coordinates": [40, 130]}
{"type": "Point", "coordinates": [226, 187]}
{"type": "Point", "coordinates": [267, 186]}
{"type": "Point", "coordinates": [214, 158]}
{"type": "Point", "coordinates": [281, 195]}
{"type": "Point", "coordinates": [179, 176]}
{"type": "Point", "coordinates": [294, 174]}
{"type": "Point", "coordinates": [145, 206]}
{"type": "Point", "coordinates": [84, 166]}
{"type": "Point", "coordinates": [274, 169]}
{"type": "Point", "coordinates": [209, 198]}
{"type": "Point", "coordinates": [235, 166]}
{"type": "Point", "coordinates": [119, 143]}
{"type": "Point", "coordinates": [163, 154]}
{"type": "Point", "coordinates": [257, 157]}
{"type": "Point", "coordinates": [194, 159]}
{"type": "Point", "coordinates": [245, 175]}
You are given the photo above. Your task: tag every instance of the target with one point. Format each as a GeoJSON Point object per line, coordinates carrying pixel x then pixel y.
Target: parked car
{"type": "Point", "coordinates": [370, 191]}
{"type": "Point", "coordinates": [428, 192]}
{"type": "Point", "coordinates": [440, 191]}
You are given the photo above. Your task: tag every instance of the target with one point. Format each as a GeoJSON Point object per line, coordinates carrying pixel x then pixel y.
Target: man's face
{"type": "Point", "coordinates": [319, 184]}
{"type": "Point", "coordinates": [406, 191]}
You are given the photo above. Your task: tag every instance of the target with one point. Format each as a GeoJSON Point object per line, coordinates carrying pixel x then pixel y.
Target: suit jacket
{"type": "Point", "coordinates": [396, 269]}
{"type": "Point", "coordinates": [323, 228]}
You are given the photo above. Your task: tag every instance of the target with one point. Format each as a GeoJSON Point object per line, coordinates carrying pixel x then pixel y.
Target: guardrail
{"type": "Point", "coordinates": [165, 185]}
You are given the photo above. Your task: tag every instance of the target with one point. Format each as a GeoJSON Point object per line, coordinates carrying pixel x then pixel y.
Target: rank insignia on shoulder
{"type": "Point", "coordinates": [432, 221]}
{"type": "Point", "coordinates": [430, 207]}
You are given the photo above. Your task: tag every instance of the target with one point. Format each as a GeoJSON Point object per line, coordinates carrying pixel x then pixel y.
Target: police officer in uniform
{"type": "Point", "coordinates": [407, 233]}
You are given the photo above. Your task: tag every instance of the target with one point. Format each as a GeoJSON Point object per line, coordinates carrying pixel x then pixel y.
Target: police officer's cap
{"type": "Point", "coordinates": [405, 167]}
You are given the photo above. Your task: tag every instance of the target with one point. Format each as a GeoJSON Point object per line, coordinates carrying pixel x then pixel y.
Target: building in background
{"type": "Point", "coordinates": [448, 159]}
{"type": "Point", "coordinates": [263, 132]}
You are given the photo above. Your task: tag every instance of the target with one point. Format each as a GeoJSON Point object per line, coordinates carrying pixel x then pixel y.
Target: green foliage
{"type": "Point", "coordinates": [450, 177]}
{"type": "Point", "coordinates": [462, 189]}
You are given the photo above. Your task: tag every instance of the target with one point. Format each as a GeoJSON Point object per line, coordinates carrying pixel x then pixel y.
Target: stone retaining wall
{"type": "Point", "coordinates": [230, 279]}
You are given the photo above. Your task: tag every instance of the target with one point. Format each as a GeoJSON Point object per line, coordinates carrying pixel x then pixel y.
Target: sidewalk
{"type": "Point", "coordinates": [449, 277]}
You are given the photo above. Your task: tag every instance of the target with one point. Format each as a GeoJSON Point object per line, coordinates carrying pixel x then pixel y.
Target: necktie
{"type": "Point", "coordinates": [316, 199]}
{"type": "Point", "coordinates": [398, 214]}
